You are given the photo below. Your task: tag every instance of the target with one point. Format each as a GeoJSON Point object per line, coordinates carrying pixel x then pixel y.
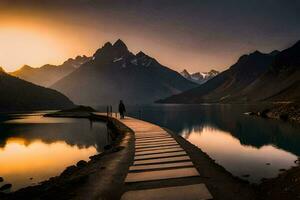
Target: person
{"type": "Point", "coordinates": [122, 109]}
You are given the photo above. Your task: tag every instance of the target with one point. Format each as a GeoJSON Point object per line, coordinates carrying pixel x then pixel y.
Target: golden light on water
{"type": "Point", "coordinates": [21, 160]}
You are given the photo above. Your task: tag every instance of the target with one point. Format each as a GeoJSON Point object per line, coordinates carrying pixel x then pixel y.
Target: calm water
{"type": "Point", "coordinates": [244, 145]}
{"type": "Point", "coordinates": [34, 148]}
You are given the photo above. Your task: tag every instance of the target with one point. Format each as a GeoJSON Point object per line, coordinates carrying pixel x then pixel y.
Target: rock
{"type": "Point", "coordinates": [284, 117]}
{"type": "Point", "coordinates": [81, 163]}
{"type": "Point", "coordinates": [107, 147]}
{"type": "Point", "coordinates": [69, 170]}
{"type": "Point", "coordinates": [264, 113]}
{"type": "Point", "coordinates": [96, 157]}
{"type": "Point", "coordinates": [282, 170]}
{"type": "Point", "coordinates": [5, 187]}
{"type": "Point", "coordinates": [250, 113]}
{"type": "Point", "coordinates": [116, 149]}
{"type": "Point", "coordinates": [268, 163]}
{"type": "Point", "coordinates": [1, 179]}
{"type": "Point", "coordinates": [246, 175]}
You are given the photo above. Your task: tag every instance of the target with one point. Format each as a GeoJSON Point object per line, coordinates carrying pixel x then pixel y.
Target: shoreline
{"type": "Point", "coordinates": [85, 175]}
{"type": "Point", "coordinates": [288, 112]}
{"type": "Point", "coordinates": [220, 182]}
{"type": "Point", "coordinates": [86, 180]}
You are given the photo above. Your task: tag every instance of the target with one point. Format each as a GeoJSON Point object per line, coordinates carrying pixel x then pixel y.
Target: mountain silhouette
{"type": "Point", "coordinates": [281, 83]}
{"type": "Point", "coordinates": [273, 77]}
{"type": "Point", "coordinates": [115, 73]}
{"type": "Point", "coordinates": [49, 74]}
{"type": "Point", "coordinates": [227, 86]}
{"type": "Point", "coordinates": [17, 95]}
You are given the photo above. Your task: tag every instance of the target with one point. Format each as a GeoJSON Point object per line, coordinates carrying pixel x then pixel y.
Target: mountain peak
{"type": "Point", "coordinates": [119, 42]}
{"type": "Point", "coordinates": [185, 72]}
{"type": "Point", "coordinates": [274, 53]}
{"type": "Point", "coordinates": [104, 50]}
{"type": "Point", "coordinates": [109, 52]}
{"type": "Point", "coordinates": [120, 46]}
{"type": "Point", "coordinates": [107, 44]}
{"type": "Point", "coordinates": [255, 53]}
{"type": "Point", "coordinates": [140, 54]}
{"type": "Point", "coordinates": [199, 77]}
{"type": "Point", "coordinates": [26, 67]}
{"type": "Point", "coordinates": [251, 56]}
{"type": "Point", "coordinates": [2, 70]}
{"type": "Point", "coordinates": [77, 61]}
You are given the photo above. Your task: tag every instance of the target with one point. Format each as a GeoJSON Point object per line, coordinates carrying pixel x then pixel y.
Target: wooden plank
{"type": "Point", "coordinates": [160, 175]}
{"type": "Point", "coordinates": [161, 160]}
{"type": "Point", "coordinates": [160, 155]}
{"type": "Point", "coordinates": [156, 148]}
{"type": "Point", "coordinates": [154, 140]}
{"type": "Point", "coordinates": [138, 145]}
{"type": "Point", "coordinates": [176, 149]}
{"type": "Point", "coordinates": [187, 192]}
{"type": "Point", "coordinates": [160, 166]}
{"type": "Point", "coordinates": [155, 145]}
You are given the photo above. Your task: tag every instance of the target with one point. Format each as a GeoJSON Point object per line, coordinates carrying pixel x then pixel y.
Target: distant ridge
{"type": "Point", "coordinates": [115, 73]}
{"type": "Point", "coordinates": [227, 85]}
{"type": "Point", "coordinates": [199, 77]}
{"type": "Point", "coordinates": [273, 77]}
{"type": "Point", "coordinates": [17, 95]}
{"type": "Point", "coordinates": [49, 74]}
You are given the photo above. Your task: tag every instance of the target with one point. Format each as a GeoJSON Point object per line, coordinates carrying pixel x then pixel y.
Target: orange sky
{"type": "Point", "coordinates": [37, 42]}
{"type": "Point", "coordinates": [36, 39]}
{"type": "Point", "coordinates": [196, 35]}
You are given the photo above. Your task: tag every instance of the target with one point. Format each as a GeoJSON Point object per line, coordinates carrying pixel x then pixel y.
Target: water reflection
{"type": "Point", "coordinates": [239, 159]}
{"type": "Point", "coordinates": [25, 163]}
{"type": "Point", "coordinates": [255, 141]}
{"type": "Point", "coordinates": [34, 148]}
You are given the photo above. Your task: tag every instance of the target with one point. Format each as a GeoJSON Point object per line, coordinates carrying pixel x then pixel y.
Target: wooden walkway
{"type": "Point", "coordinates": [158, 157]}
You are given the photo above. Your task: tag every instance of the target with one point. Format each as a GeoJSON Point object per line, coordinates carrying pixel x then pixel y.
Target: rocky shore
{"type": "Point", "coordinates": [285, 186]}
{"type": "Point", "coordinates": [283, 111]}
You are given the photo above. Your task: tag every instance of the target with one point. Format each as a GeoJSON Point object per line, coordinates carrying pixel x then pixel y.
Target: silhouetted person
{"type": "Point", "coordinates": [122, 109]}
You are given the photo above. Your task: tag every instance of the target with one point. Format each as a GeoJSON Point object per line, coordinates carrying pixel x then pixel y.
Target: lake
{"type": "Point", "coordinates": [34, 148]}
{"type": "Point", "coordinates": [249, 147]}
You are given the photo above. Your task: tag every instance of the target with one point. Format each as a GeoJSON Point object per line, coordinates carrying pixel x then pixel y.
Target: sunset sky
{"type": "Point", "coordinates": [196, 34]}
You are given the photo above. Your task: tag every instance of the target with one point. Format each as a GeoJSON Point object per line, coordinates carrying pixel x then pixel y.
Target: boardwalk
{"type": "Point", "coordinates": [159, 158]}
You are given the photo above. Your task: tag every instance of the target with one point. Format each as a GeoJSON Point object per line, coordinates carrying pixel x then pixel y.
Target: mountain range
{"type": "Point", "coordinates": [17, 95]}
{"type": "Point", "coordinates": [115, 73]}
{"type": "Point", "coordinates": [47, 75]}
{"type": "Point", "coordinates": [199, 77]}
{"type": "Point", "coordinates": [253, 78]}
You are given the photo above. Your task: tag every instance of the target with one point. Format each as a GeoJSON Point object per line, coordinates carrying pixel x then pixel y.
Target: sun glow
{"type": "Point", "coordinates": [19, 46]}
{"type": "Point", "coordinates": [37, 41]}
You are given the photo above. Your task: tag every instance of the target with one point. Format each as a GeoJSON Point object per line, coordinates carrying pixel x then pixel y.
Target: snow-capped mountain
{"type": "Point", "coordinates": [199, 77]}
